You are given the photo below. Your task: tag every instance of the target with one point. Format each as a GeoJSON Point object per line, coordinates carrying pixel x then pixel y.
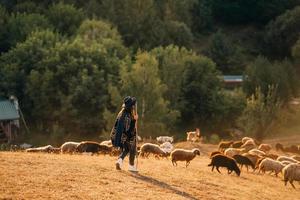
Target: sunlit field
{"type": "Point", "coordinates": [56, 176]}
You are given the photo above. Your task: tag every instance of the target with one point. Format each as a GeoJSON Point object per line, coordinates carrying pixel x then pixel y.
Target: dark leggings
{"type": "Point", "coordinates": [128, 148]}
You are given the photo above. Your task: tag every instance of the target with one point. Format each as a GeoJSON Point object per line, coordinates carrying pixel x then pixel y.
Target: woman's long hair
{"type": "Point", "coordinates": [123, 109]}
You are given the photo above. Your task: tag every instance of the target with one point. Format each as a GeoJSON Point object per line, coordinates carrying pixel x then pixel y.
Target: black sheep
{"type": "Point", "coordinates": [243, 160]}
{"type": "Point", "coordinates": [224, 161]}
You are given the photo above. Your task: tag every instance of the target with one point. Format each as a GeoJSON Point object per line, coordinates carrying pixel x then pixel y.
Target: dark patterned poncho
{"type": "Point", "coordinates": [123, 130]}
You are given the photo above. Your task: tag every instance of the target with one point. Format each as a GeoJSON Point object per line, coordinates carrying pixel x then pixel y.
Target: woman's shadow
{"type": "Point", "coordinates": [162, 185]}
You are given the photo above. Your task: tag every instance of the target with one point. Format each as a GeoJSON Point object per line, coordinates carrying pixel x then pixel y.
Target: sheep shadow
{"type": "Point", "coordinates": [162, 185]}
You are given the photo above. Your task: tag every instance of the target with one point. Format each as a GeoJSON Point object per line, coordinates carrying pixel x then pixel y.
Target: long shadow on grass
{"type": "Point", "coordinates": [162, 185]}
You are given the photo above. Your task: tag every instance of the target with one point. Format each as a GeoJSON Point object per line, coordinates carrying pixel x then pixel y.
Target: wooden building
{"type": "Point", "coordinates": [9, 119]}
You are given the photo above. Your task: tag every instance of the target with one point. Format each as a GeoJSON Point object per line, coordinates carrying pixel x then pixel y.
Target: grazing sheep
{"type": "Point", "coordinates": [69, 147]}
{"type": "Point", "coordinates": [243, 160]}
{"type": "Point", "coordinates": [291, 173]}
{"type": "Point", "coordinates": [265, 147]}
{"type": "Point", "coordinates": [248, 145]}
{"type": "Point", "coordinates": [224, 161]}
{"type": "Point", "coordinates": [269, 164]}
{"type": "Point", "coordinates": [237, 144]}
{"type": "Point", "coordinates": [296, 158]}
{"type": "Point", "coordinates": [224, 145]}
{"type": "Point", "coordinates": [285, 158]}
{"type": "Point", "coordinates": [279, 146]}
{"type": "Point", "coordinates": [215, 153]}
{"type": "Point", "coordinates": [184, 155]}
{"type": "Point", "coordinates": [232, 151]}
{"type": "Point", "coordinates": [55, 150]}
{"type": "Point", "coordinates": [162, 139]}
{"type": "Point", "coordinates": [149, 148]}
{"type": "Point", "coordinates": [93, 147]}
{"type": "Point", "coordinates": [167, 147]}
{"type": "Point", "coordinates": [46, 149]}
{"type": "Point", "coordinates": [257, 152]}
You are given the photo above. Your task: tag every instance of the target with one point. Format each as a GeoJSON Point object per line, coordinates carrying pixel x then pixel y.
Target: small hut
{"type": "Point", "coordinates": [9, 119]}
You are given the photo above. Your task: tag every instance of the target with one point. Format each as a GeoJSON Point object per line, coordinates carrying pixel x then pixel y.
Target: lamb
{"type": "Point", "coordinates": [215, 153]}
{"type": "Point", "coordinates": [265, 147]}
{"type": "Point", "coordinates": [69, 147]}
{"type": "Point", "coordinates": [269, 164]}
{"type": "Point", "coordinates": [224, 161]}
{"type": "Point", "coordinates": [248, 145]}
{"type": "Point", "coordinates": [149, 148]}
{"type": "Point", "coordinates": [257, 152]}
{"type": "Point", "coordinates": [162, 139]}
{"type": "Point", "coordinates": [237, 144]}
{"type": "Point", "coordinates": [243, 160]}
{"type": "Point", "coordinates": [291, 173]}
{"type": "Point", "coordinates": [285, 158]}
{"type": "Point", "coordinates": [93, 147]}
{"type": "Point", "coordinates": [184, 155]}
{"type": "Point", "coordinates": [225, 145]}
{"type": "Point", "coordinates": [232, 151]}
{"type": "Point", "coordinates": [279, 146]}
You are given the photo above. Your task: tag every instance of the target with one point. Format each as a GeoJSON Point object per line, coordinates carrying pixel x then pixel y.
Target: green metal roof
{"type": "Point", "coordinates": [8, 111]}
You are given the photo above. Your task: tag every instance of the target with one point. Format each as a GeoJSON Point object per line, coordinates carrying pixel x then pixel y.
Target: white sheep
{"type": "Point", "coordinates": [233, 151]}
{"type": "Point", "coordinates": [291, 173]}
{"type": "Point", "coordinates": [269, 164]}
{"type": "Point", "coordinates": [184, 155]}
{"type": "Point", "coordinates": [47, 148]}
{"type": "Point", "coordinates": [286, 158]}
{"type": "Point", "coordinates": [167, 147]}
{"type": "Point", "coordinates": [257, 152]}
{"type": "Point", "coordinates": [69, 147]}
{"type": "Point", "coordinates": [265, 147]}
{"type": "Point", "coordinates": [162, 139]}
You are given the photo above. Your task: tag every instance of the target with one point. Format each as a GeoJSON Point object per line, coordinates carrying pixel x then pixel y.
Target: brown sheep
{"type": "Point", "coordinates": [93, 147]}
{"type": "Point", "coordinates": [237, 144]}
{"type": "Point", "coordinates": [184, 155]}
{"type": "Point", "coordinates": [214, 153]}
{"type": "Point", "coordinates": [279, 146]}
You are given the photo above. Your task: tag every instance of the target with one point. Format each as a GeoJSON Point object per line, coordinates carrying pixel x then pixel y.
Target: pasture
{"type": "Point", "coordinates": [56, 176]}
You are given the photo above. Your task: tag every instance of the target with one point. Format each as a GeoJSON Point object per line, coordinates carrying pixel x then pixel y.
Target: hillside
{"type": "Point", "coordinates": [51, 176]}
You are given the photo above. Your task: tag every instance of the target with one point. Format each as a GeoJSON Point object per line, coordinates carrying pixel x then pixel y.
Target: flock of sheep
{"type": "Point", "coordinates": [232, 155]}
{"type": "Point", "coordinates": [248, 152]}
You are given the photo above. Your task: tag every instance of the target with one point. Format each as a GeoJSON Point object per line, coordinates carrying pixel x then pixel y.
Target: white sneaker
{"type": "Point", "coordinates": [132, 168]}
{"type": "Point", "coordinates": [119, 164]}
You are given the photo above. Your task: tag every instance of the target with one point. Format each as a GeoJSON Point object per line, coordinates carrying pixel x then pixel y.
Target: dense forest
{"type": "Point", "coordinates": [71, 63]}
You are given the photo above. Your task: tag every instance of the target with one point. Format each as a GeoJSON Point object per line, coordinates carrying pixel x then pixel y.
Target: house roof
{"type": "Point", "coordinates": [8, 110]}
{"type": "Point", "coordinates": [236, 79]}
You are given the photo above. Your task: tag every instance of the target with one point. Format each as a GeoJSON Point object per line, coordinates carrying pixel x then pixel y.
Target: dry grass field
{"type": "Point", "coordinates": [52, 176]}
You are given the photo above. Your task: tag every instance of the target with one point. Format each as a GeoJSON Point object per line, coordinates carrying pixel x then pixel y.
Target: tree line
{"type": "Point", "coordinates": [70, 63]}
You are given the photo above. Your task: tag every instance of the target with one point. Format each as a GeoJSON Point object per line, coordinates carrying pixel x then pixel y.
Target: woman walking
{"type": "Point", "coordinates": [123, 134]}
